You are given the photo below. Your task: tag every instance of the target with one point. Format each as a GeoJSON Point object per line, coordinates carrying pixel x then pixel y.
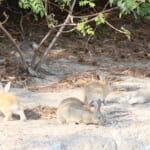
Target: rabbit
{"type": "Point", "coordinates": [72, 110]}
{"type": "Point", "coordinates": [96, 91]}
{"type": "Point", "coordinates": [9, 104]}
{"type": "Point", "coordinates": [73, 100]}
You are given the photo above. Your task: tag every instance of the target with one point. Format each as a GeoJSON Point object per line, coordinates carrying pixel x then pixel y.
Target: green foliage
{"type": "Point", "coordinates": [136, 7]}
{"type": "Point", "coordinates": [85, 29]}
{"type": "Point", "coordinates": [87, 2]}
{"type": "Point", "coordinates": [51, 20]}
{"type": "Point", "coordinates": [100, 19]}
{"type": "Point", "coordinates": [144, 10]}
{"type": "Point", "coordinates": [35, 5]}
{"type": "Point", "coordinates": [24, 4]}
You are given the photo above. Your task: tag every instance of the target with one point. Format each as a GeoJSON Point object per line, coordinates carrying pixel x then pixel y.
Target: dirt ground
{"type": "Point", "coordinates": [69, 67]}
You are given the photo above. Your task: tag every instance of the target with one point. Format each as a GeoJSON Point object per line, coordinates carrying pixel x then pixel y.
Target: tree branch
{"type": "Point", "coordinates": [33, 61]}
{"type": "Point", "coordinates": [56, 37]}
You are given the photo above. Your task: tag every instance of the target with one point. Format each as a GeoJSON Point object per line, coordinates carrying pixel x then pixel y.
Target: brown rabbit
{"type": "Point", "coordinates": [96, 91]}
{"type": "Point", "coordinates": [72, 110]}
{"type": "Point", "coordinates": [9, 103]}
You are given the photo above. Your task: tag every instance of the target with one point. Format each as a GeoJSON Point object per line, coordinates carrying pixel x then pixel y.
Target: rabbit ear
{"type": "Point", "coordinates": [1, 87]}
{"type": "Point", "coordinates": [7, 87]}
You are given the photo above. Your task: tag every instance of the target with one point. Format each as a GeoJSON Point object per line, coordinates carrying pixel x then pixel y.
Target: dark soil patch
{"type": "Point", "coordinates": [39, 112]}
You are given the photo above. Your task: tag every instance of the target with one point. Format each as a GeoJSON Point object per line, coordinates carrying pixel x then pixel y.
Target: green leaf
{"type": "Point", "coordinates": [92, 4]}
{"type": "Point", "coordinates": [24, 4]}
{"type": "Point", "coordinates": [85, 29]}
{"type": "Point", "coordinates": [35, 5]}
{"type": "Point", "coordinates": [80, 26]}
{"type": "Point", "coordinates": [99, 19]}
{"type": "Point", "coordinates": [87, 2]}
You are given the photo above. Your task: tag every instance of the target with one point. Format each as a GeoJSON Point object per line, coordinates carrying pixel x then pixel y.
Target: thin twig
{"type": "Point", "coordinates": [6, 18]}
{"type": "Point", "coordinates": [67, 24]}
{"type": "Point", "coordinates": [106, 5]}
{"type": "Point", "coordinates": [71, 30]}
{"type": "Point", "coordinates": [93, 15]}
{"type": "Point", "coordinates": [21, 27]}
{"type": "Point", "coordinates": [56, 37]}
{"type": "Point", "coordinates": [110, 25]}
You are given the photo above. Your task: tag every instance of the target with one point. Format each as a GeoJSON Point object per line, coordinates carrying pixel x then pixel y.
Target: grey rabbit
{"type": "Point", "coordinates": [72, 110]}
